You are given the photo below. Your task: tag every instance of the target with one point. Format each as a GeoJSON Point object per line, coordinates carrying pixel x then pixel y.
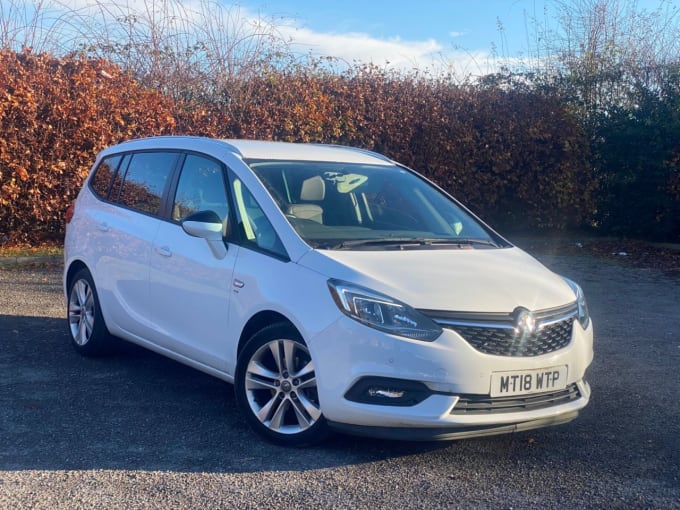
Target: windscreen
{"type": "Point", "coordinates": [356, 206]}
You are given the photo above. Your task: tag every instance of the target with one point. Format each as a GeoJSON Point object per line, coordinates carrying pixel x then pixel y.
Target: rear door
{"type": "Point", "coordinates": [121, 233]}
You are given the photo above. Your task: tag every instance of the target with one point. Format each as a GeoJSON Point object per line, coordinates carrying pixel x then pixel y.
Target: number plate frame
{"type": "Point", "coordinates": [528, 382]}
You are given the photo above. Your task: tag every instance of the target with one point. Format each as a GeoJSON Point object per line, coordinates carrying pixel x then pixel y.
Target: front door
{"type": "Point", "coordinates": [189, 284]}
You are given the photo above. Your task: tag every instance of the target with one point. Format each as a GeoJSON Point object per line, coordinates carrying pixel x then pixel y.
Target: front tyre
{"type": "Point", "coordinates": [276, 387]}
{"type": "Point", "coordinates": [89, 335]}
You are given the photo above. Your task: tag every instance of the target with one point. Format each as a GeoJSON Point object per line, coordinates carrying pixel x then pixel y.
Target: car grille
{"type": "Point", "coordinates": [502, 334]}
{"type": "Point", "coordinates": [504, 342]}
{"type": "Point", "coordinates": [483, 404]}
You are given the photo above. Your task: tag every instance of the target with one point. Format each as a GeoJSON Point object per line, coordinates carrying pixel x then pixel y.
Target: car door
{"type": "Point", "coordinates": [190, 284]}
{"type": "Point", "coordinates": [120, 239]}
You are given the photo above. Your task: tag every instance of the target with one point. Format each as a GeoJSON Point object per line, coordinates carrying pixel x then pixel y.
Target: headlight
{"type": "Point", "coordinates": [381, 312]}
{"type": "Point", "coordinates": [583, 314]}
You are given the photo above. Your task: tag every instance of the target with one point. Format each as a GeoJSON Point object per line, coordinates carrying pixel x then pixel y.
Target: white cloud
{"type": "Point", "coordinates": [393, 53]}
{"type": "Point", "coordinates": [360, 47]}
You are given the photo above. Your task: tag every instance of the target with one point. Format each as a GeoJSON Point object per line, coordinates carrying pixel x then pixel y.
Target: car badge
{"type": "Point", "coordinates": [525, 323]}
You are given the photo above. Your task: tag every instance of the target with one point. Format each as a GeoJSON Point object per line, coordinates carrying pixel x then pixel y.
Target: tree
{"type": "Point", "coordinates": [617, 66]}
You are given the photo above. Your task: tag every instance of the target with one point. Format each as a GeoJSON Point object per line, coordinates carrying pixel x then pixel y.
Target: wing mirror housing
{"type": "Point", "coordinates": [207, 225]}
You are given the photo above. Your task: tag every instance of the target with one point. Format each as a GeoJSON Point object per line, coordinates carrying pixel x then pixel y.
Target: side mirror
{"type": "Point", "coordinates": [207, 225]}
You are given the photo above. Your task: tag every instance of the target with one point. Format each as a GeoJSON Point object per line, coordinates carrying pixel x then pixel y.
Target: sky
{"type": "Point", "coordinates": [406, 33]}
{"type": "Point", "coordinates": [414, 33]}
{"type": "Point", "coordinates": [466, 37]}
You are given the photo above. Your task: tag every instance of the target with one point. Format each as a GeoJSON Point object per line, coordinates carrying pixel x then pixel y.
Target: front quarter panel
{"type": "Point", "coordinates": [263, 283]}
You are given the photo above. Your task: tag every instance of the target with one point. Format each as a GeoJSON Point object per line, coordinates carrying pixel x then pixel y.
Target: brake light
{"type": "Point", "coordinates": [69, 213]}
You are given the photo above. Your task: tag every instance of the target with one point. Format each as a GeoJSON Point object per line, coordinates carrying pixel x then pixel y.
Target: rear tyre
{"type": "Point", "coordinates": [89, 335]}
{"type": "Point", "coordinates": [275, 385]}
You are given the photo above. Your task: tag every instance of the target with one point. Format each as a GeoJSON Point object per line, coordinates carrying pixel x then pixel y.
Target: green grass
{"type": "Point", "coordinates": [30, 251]}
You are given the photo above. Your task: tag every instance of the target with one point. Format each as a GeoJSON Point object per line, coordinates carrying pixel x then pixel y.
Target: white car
{"type": "Point", "coordinates": [335, 288]}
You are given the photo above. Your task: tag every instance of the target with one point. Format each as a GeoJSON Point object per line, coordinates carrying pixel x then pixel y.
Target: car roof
{"type": "Point", "coordinates": [254, 149]}
{"type": "Point", "coordinates": [257, 149]}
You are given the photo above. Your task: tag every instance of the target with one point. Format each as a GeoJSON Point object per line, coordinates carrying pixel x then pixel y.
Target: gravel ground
{"type": "Point", "coordinates": [138, 431]}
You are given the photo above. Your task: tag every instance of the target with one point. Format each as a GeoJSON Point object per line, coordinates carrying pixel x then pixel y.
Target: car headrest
{"type": "Point", "coordinates": [313, 189]}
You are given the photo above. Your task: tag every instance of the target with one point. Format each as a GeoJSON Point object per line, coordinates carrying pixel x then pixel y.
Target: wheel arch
{"type": "Point", "coordinates": [75, 266]}
{"type": "Point", "coordinates": [260, 321]}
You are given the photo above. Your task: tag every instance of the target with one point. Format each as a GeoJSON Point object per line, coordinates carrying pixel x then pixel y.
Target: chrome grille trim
{"type": "Point", "coordinates": [483, 404]}
{"type": "Point", "coordinates": [549, 315]}
{"type": "Point", "coordinates": [495, 333]}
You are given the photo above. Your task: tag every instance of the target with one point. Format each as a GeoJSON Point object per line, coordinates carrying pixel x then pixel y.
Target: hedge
{"type": "Point", "coordinates": [516, 157]}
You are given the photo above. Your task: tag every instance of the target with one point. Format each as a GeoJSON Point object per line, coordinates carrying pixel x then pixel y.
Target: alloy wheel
{"type": "Point", "coordinates": [81, 312]}
{"type": "Point", "coordinates": [280, 386]}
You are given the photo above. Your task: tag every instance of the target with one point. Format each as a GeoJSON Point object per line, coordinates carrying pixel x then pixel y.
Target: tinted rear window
{"type": "Point", "coordinates": [103, 175]}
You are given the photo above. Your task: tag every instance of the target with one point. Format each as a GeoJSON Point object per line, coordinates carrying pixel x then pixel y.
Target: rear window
{"type": "Point", "coordinates": [103, 176]}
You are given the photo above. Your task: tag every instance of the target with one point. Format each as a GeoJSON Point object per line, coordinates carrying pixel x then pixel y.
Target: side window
{"type": "Point", "coordinates": [103, 175]}
{"type": "Point", "coordinates": [200, 188]}
{"type": "Point", "coordinates": [145, 180]}
{"type": "Point", "coordinates": [255, 227]}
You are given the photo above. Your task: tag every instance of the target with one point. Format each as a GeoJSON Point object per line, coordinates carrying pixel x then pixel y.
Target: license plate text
{"type": "Point", "coordinates": [528, 381]}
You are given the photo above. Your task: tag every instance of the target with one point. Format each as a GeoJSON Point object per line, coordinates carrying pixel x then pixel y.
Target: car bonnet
{"type": "Point", "coordinates": [479, 280]}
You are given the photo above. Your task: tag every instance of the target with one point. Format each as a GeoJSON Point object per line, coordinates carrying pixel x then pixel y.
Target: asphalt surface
{"type": "Point", "coordinates": [138, 431]}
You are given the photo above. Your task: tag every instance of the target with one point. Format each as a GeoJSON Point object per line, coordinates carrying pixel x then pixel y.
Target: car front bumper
{"type": "Point", "coordinates": [448, 433]}
{"type": "Point", "coordinates": [452, 374]}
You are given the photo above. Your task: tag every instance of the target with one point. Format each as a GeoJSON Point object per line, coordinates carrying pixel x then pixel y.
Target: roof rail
{"type": "Point", "coordinates": [206, 139]}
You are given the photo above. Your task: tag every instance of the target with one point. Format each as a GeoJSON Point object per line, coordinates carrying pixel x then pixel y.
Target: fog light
{"type": "Point", "coordinates": [384, 392]}
{"type": "Point", "coordinates": [388, 391]}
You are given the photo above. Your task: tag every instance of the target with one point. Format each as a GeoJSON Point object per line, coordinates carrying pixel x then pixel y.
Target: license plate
{"type": "Point", "coordinates": [524, 382]}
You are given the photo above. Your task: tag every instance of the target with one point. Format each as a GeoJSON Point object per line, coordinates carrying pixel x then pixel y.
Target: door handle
{"type": "Point", "coordinates": [103, 226]}
{"type": "Point", "coordinates": [164, 251]}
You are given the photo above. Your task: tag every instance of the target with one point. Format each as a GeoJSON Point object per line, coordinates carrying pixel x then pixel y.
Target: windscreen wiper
{"type": "Point", "coordinates": [483, 242]}
{"type": "Point", "coordinates": [405, 242]}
